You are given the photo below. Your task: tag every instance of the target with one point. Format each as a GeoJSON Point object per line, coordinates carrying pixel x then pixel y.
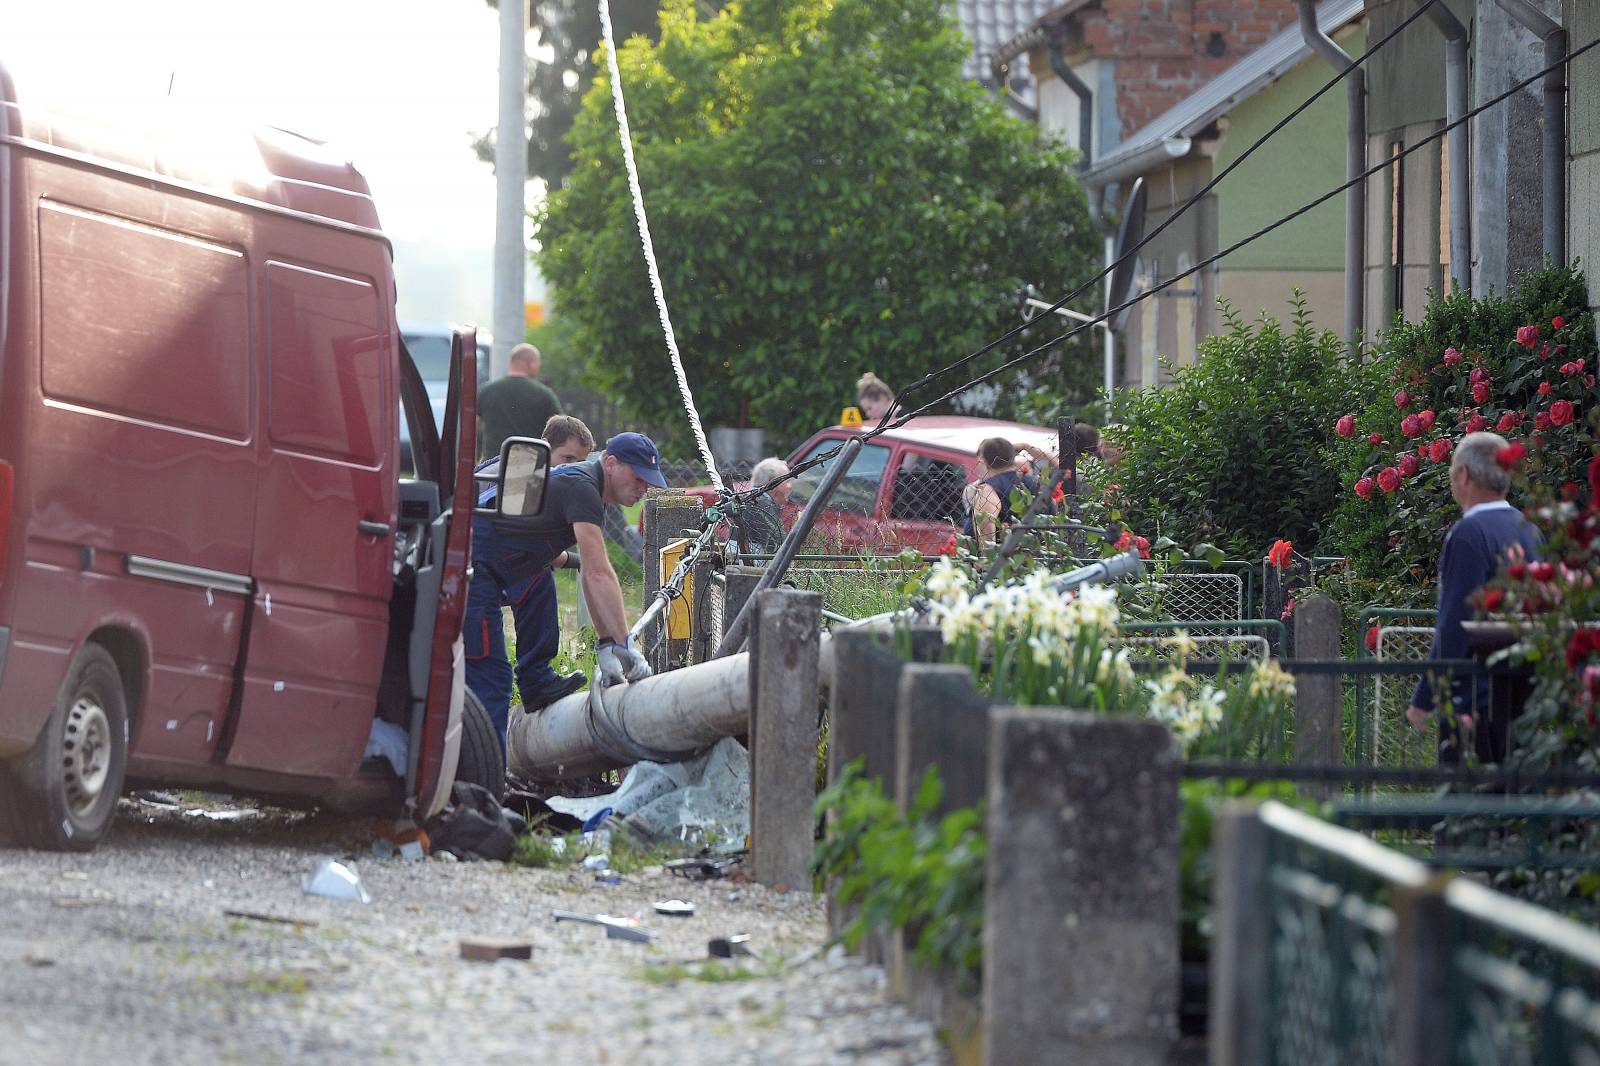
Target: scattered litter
{"type": "Point", "coordinates": [38, 961]}
{"type": "Point", "coordinates": [706, 798]}
{"type": "Point", "coordinates": [156, 799]}
{"type": "Point", "coordinates": [74, 875]}
{"type": "Point", "coordinates": [734, 897]}
{"type": "Point", "coordinates": [616, 928]}
{"type": "Point", "coordinates": [677, 908]}
{"type": "Point", "coordinates": [237, 815]}
{"type": "Point", "coordinates": [727, 947]}
{"type": "Point", "coordinates": [608, 879]}
{"type": "Point", "coordinates": [388, 741]}
{"type": "Point", "coordinates": [601, 861]}
{"type": "Point", "coordinates": [444, 856]}
{"type": "Point", "coordinates": [488, 949]}
{"type": "Point", "coordinates": [257, 916]}
{"type": "Point", "coordinates": [410, 851]}
{"type": "Point", "coordinates": [335, 880]}
{"type": "Point", "coordinates": [475, 826]}
{"type": "Point", "coordinates": [703, 869]}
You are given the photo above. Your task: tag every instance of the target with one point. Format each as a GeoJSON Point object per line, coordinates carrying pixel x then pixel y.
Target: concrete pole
{"type": "Point", "coordinates": [511, 181]}
{"type": "Point", "coordinates": [1553, 135]}
{"type": "Point", "coordinates": [783, 735]}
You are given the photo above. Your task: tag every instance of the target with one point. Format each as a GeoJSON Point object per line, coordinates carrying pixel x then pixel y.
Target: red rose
{"type": "Point", "coordinates": [1374, 439]}
{"type": "Point", "coordinates": [1594, 483]}
{"type": "Point", "coordinates": [1125, 541]}
{"type": "Point", "coordinates": [1411, 426]}
{"type": "Point", "coordinates": [1058, 494]}
{"type": "Point", "coordinates": [1570, 490]}
{"type": "Point", "coordinates": [1544, 388]}
{"type": "Point", "coordinates": [1584, 643]}
{"type": "Point", "coordinates": [1402, 398]}
{"type": "Point", "coordinates": [1517, 571]}
{"type": "Point", "coordinates": [1439, 450]}
{"type": "Point", "coordinates": [1451, 357]}
{"type": "Point", "coordinates": [1562, 413]}
{"type": "Point", "coordinates": [1493, 599]}
{"type": "Point", "coordinates": [1588, 381]}
{"type": "Point", "coordinates": [1279, 554]}
{"type": "Point", "coordinates": [1509, 421]}
{"type": "Point", "coordinates": [1528, 336]}
{"type": "Point", "coordinates": [1557, 322]}
{"type": "Point", "coordinates": [949, 546]}
{"type": "Point", "coordinates": [1346, 426]}
{"type": "Point", "coordinates": [1388, 479]}
{"type": "Point", "coordinates": [1408, 465]}
{"type": "Point", "coordinates": [1544, 351]}
{"type": "Point", "coordinates": [1478, 374]}
{"type": "Point", "coordinates": [1480, 392]}
{"type": "Point", "coordinates": [1372, 638]}
{"type": "Point", "coordinates": [1143, 546]}
{"type": "Point", "coordinates": [1477, 424]}
{"type": "Point", "coordinates": [1363, 488]}
{"type": "Point", "coordinates": [1510, 455]}
{"type": "Point", "coordinates": [1541, 571]}
{"type": "Point", "coordinates": [1427, 418]}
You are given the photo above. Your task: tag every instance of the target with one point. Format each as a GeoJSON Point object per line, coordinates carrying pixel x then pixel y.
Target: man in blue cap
{"type": "Point", "coordinates": [512, 560]}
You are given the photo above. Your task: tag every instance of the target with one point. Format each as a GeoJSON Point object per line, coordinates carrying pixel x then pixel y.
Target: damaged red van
{"type": "Point", "coordinates": [211, 572]}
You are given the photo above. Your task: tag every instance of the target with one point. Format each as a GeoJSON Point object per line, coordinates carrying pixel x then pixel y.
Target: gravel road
{"type": "Point", "coordinates": [128, 956]}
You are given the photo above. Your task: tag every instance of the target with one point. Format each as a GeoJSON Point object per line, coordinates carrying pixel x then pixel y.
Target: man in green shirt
{"type": "Point", "coordinates": [518, 405]}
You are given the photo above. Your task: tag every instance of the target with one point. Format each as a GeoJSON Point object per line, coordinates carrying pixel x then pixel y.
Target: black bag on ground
{"type": "Point", "coordinates": [474, 826]}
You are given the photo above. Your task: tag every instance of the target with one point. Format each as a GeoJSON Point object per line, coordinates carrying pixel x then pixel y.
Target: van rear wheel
{"type": "Point", "coordinates": [483, 760]}
{"type": "Point", "coordinates": [62, 794]}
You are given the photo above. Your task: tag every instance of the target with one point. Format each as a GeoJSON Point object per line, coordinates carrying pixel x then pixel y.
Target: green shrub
{"type": "Point", "coordinates": [1392, 538]}
{"type": "Point", "coordinates": [1235, 450]}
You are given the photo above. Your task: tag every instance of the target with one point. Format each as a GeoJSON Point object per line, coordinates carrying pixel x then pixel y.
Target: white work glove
{"type": "Point", "coordinates": [619, 662]}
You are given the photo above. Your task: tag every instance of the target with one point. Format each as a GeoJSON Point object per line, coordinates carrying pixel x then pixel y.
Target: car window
{"type": "Point", "coordinates": [858, 490]}
{"type": "Point", "coordinates": [927, 489]}
{"type": "Point", "coordinates": [431, 353]}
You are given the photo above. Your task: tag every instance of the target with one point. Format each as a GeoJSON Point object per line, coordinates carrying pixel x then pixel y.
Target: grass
{"type": "Point", "coordinates": [712, 971]}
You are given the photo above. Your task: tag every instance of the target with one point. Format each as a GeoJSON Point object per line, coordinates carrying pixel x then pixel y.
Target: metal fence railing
{"type": "Point", "coordinates": [1333, 949]}
{"type": "Point", "coordinates": [1382, 736]}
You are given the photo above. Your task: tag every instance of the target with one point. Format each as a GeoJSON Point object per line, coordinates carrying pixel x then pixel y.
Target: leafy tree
{"type": "Point", "coordinates": [827, 195]}
{"type": "Point", "coordinates": [561, 69]}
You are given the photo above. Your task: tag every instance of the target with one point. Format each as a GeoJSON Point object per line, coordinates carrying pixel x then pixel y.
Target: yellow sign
{"type": "Point", "coordinates": [533, 313]}
{"type": "Point", "coordinates": [678, 626]}
{"type": "Point", "coordinates": [850, 417]}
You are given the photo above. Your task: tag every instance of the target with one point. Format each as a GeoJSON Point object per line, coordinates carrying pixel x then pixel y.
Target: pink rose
{"type": "Point", "coordinates": [1508, 421]}
{"type": "Point", "coordinates": [1544, 386]}
{"type": "Point", "coordinates": [1541, 421]}
{"type": "Point", "coordinates": [1408, 465]}
{"type": "Point", "coordinates": [1528, 336]}
{"type": "Point", "coordinates": [1557, 322]}
{"type": "Point", "coordinates": [1562, 413]}
{"type": "Point", "coordinates": [1480, 392]}
{"type": "Point", "coordinates": [1374, 439]}
{"type": "Point", "coordinates": [1451, 357]}
{"type": "Point", "coordinates": [1427, 418]}
{"type": "Point", "coordinates": [1478, 374]}
{"type": "Point", "coordinates": [1388, 479]}
{"type": "Point", "coordinates": [1363, 488]}
{"type": "Point", "coordinates": [1411, 426]}
{"type": "Point", "coordinates": [1439, 450]}
{"type": "Point", "coordinates": [1477, 424]}
{"type": "Point", "coordinates": [1346, 426]}
{"type": "Point", "coordinates": [1402, 398]}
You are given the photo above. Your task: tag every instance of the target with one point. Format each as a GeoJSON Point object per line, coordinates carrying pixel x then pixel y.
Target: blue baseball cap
{"type": "Point", "coordinates": [639, 452]}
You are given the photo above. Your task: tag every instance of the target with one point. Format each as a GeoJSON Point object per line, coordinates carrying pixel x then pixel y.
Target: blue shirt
{"type": "Point", "coordinates": [510, 550]}
{"type": "Point", "coordinates": [1474, 550]}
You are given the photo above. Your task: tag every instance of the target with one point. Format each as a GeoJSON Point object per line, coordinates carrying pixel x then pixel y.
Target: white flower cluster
{"type": "Point", "coordinates": [1186, 705]}
{"type": "Point", "coordinates": [1053, 621]}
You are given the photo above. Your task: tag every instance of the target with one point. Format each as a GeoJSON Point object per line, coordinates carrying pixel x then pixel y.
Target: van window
{"type": "Point", "coordinates": [327, 345]}
{"type": "Point", "coordinates": [165, 337]}
{"type": "Point", "coordinates": [431, 353]}
{"type": "Point", "coordinates": [858, 490]}
{"type": "Point", "coordinates": [928, 489]}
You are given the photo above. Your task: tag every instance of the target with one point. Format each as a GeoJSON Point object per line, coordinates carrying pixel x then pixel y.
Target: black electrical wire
{"type": "Point", "coordinates": [1130, 254]}
{"type": "Point", "coordinates": [887, 424]}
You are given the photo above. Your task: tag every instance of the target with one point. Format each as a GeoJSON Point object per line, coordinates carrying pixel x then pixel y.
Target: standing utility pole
{"type": "Point", "coordinates": [511, 179]}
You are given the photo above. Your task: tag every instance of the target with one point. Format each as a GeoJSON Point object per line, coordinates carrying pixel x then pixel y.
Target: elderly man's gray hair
{"type": "Point", "coordinates": [767, 471]}
{"type": "Point", "coordinates": [1478, 453]}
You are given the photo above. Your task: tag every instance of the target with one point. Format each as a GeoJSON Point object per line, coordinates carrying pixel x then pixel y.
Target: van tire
{"type": "Point", "coordinates": [62, 795]}
{"type": "Point", "coordinates": [483, 760]}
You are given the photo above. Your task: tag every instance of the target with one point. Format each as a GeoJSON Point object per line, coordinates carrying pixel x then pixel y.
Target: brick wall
{"type": "Point", "coordinates": [1161, 46]}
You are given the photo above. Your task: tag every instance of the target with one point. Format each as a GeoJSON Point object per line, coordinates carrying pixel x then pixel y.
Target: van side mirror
{"type": "Point", "coordinates": [519, 479]}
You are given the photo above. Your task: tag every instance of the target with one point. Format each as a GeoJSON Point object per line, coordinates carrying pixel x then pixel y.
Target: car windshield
{"type": "Point", "coordinates": [858, 490]}
{"type": "Point", "coordinates": [431, 353]}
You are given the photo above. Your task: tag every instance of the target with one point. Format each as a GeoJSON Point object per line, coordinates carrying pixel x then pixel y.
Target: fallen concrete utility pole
{"type": "Point", "coordinates": [664, 718]}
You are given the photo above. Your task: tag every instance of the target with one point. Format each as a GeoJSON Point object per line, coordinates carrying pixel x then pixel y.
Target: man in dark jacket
{"type": "Point", "coordinates": [518, 405]}
{"type": "Point", "coordinates": [1476, 547]}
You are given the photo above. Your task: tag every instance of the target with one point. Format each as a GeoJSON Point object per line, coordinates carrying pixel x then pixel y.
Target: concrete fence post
{"type": "Point", "coordinates": [1241, 939]}
{"type": "Point", "coordinates": [1318, 708]}
{"type": "Point", "coordinates": [667, 515]}
{"type": "Point", "coordinates": [784, 642]}
{"type": "Point", "coordinates": [741, 582]}
{"type": "Point", "coordinates": [1422, 1025]}
{"type": "Point", "coordinates": [1080, 941]}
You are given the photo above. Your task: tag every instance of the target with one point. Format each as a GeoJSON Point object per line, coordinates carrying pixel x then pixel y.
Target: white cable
{"type": "Point", "coordinates": [649, 248]}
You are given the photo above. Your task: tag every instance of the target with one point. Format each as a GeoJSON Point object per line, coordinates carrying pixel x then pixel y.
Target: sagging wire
{"type": "Point", "coordinates": [626, 135]}
{"type": "Point", "coordinates": [887, 423]}
{"type": "Point", "coordinates": [1131, 254]}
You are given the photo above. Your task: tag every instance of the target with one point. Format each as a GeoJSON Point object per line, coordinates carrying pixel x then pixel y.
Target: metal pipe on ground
{"type": "Point", "coordinates": [733, 638]}
{"type": "Point", "coordinates": [1355, 206]}
{"type": "Point", "coordinates": [1555, 123]}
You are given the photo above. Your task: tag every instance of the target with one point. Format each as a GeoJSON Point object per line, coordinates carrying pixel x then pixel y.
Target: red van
{"type": "Point", "coordinates": [211, 572]}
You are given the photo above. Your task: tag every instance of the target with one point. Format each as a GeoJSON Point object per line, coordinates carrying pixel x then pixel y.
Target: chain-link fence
{"type": "Point", "coordinates": [1383, 736]}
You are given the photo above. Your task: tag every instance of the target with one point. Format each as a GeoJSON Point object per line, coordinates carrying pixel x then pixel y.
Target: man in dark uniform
{"type": "Point", "coordinates": [518, 405]}
{"type": "Point", "coordinates": [516, 554]}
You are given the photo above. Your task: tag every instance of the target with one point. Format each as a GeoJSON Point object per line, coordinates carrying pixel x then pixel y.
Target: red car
{"type": "Point", "coordinates": [904, 488]}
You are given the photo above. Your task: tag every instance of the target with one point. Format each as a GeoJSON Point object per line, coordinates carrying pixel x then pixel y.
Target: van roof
{"type": "Point", "coordinates": [267, 165]}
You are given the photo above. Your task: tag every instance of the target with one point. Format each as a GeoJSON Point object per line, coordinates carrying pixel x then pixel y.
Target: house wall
{"type": "Point", "coordinates": [1170, 325]}
{"type": "Point", "coordinates": [1582, 19]}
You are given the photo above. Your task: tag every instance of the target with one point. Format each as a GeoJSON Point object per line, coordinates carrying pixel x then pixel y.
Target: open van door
{"type": "Point", "coordinates": [437, 743]}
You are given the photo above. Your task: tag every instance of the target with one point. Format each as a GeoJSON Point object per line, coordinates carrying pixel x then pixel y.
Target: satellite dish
{"type": "Point", "coordinates": [1129, 234]}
